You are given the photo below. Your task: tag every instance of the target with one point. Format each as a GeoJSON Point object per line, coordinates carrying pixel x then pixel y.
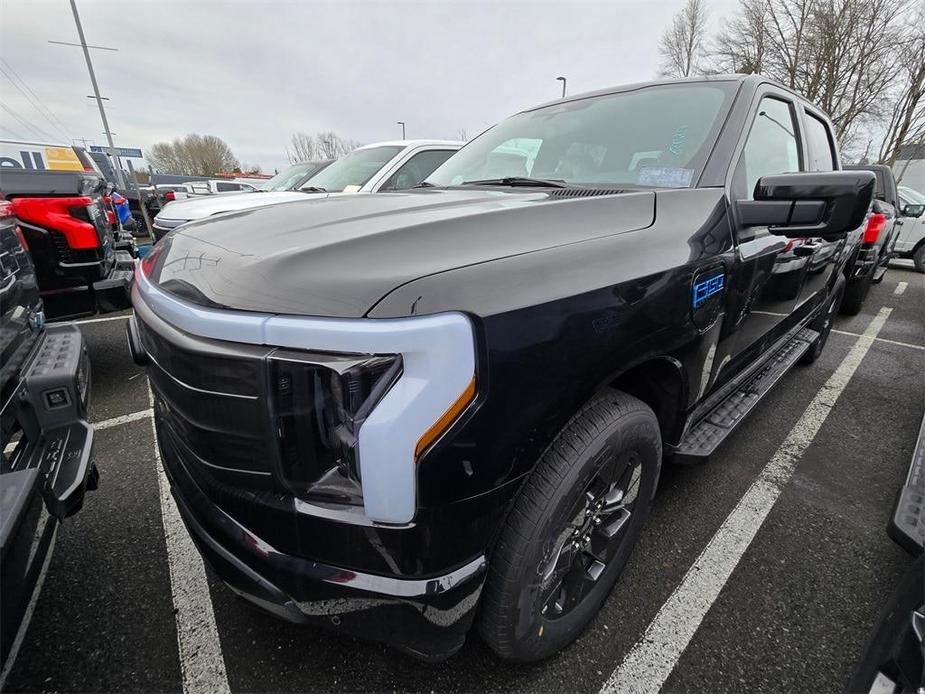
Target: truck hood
{"type": "Point", "coordinates": [338, 255]}
{"type": "Point", "coordinates": [178, 212]}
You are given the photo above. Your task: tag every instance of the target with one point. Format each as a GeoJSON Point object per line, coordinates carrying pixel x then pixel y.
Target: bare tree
{"type": "Point", "coordinates": [325, 145]}
{"type": "Point", "coordinates": [301, 148]}
{"type": "Point", "coordinates": [742, 45]}
{"type": "Point", "coordinates": [682, 46]}
{"type": "Point", "coordinates": [193, 155]}
{"type": "Point", "coordinates": [838, 53]}
{"type": "Point", "coordinates": [906, 122]}
{"type": "Point", "coordinates": [461, 135]}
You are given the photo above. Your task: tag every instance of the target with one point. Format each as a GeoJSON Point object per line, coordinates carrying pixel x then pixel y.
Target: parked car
{"type": "Point", "coordinates": [893, 656]}
{"type": "Point", "coordinates": [385, 166]}
{"type": "Point", "coordinates": [873, 256]}
{"type": "Point", "coordinates": [83, 266]}
{"type": "Point", "coordinates": [391, 414]}
{"type": "Point", "coordinates": [45, 464]}
{"type": "Point", "coordinates": [911, 241]}
{"type": "Point", "coordinates": [294, 177]}
{"type": "Point", "coordinates": [218, 186]}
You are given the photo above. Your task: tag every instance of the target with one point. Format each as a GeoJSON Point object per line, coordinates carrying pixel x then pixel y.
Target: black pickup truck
{"type": "Point", "coordinates": [876, 249]}
{"type": "Point", "coordinates": [45, 464]}
{"type": "Point", "coordinates": [82, 267]}
{"type": "Point", "coordinates": [392, 414]}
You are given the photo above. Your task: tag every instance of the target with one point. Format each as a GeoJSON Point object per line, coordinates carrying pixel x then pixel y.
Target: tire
{"type": "Point", "coordinates": [823, 323]}
{"type": "Point", "coordinates": [527, 612]}
{"type": "Point", "coordinates": [919, 258]}
{"type": "Point", "coordinates": [856, 292]}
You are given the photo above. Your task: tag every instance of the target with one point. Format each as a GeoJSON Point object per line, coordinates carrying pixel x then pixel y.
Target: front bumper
{"type": "Point", "coordinates": [427, 617]}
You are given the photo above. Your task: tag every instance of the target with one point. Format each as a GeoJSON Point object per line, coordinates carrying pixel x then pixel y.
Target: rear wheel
{"type": "Point", "coordinates": [856, 293]}
{"type": "Point", "coordinates": [823, 324]}
{"type": "Point", "coordinates": [572, 528]}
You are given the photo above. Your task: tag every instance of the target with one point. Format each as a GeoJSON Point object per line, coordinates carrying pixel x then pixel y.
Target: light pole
{"type": "Point", "coordinates": [558, 79]}
{"type": "Point", "coordinates": [96, 91]}
{"type": "Point", "coordinates": [402, 124]}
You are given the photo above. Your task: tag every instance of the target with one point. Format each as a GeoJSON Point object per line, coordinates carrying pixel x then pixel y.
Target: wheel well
{"type": "Point", "coordinates": [660, 385]}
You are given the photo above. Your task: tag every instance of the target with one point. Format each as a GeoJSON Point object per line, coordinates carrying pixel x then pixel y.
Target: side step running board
{"type": "Point", "coordinates": [705, 436]}
{"type": "Point", "coordinates": [907, 526]}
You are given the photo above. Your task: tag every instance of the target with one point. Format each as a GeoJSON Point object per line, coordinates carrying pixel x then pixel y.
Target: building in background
{"type": "Point", "coordinates": [909, 168]}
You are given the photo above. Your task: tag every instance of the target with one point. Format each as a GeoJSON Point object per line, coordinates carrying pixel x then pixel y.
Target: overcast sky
{"type": "Point", "coordinates": [254, 72]}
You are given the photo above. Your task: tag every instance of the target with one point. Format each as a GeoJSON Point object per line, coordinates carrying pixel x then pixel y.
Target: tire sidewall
{"type": "Point", "coordinates": [534, 634]}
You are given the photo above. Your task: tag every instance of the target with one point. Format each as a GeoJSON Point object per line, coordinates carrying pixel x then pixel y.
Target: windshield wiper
{"type": "Point", "coordinates": [312, 189]}
{"type": "Point", "coordinates": [424, 184]}
{"type": "Point", "coordinates": [519, 181]}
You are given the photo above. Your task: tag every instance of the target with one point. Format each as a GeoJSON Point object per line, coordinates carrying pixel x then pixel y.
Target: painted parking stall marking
{"type": "Point", "coordinates": [201, 661]}
{"type": "Point", "coordinates": [900, 288]}
{"type": "Point", "coordinates": [649, 663]}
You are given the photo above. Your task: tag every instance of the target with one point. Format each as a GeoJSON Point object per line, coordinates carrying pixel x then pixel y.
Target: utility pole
{"type": "Point", "coordinates": [402, 124]}
{"type": "Point", "coordinates": [96, 91]}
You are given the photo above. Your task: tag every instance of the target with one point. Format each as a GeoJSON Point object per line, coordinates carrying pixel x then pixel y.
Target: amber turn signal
{"type": "Point", "coordinates": [446, 419]}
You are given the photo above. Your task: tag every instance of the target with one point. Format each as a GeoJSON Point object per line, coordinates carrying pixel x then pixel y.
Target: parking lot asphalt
{"type": "Point", "coordinates": [800, 598]}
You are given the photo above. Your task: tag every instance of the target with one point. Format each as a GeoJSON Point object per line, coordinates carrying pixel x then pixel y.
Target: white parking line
{"type": "Point", "coordinates": [105, 424]}
{"type": "Point", "coordinates": [201, 662]}
{"type": "Point", "coordinates": [30, 608]}
{"type": "Point", "coordinates": [101, 320]}
{"type": "Point", "coordinates": [880, 339]}
{"type": "Point", "coordinates": [124, 419]}
{"type": "Point", "coordinates": [900, 288]}
{"type": "Point", "coordinates": [649, 663]}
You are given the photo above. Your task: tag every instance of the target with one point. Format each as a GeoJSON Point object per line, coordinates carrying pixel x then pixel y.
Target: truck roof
{"type": "Point", "coordinates": [752, 80]}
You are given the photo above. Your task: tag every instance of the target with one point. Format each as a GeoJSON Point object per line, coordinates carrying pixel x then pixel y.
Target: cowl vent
{"type": "Point", "coordinates": [582, 192]}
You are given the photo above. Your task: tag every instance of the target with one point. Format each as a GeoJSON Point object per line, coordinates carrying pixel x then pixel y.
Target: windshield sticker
{"type": "Point", "coordinates": [678, 140]}
{"type": "Point", "coordinates": [665, 176]}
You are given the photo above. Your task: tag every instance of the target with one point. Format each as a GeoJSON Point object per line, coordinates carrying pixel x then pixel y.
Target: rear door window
{"type": "Point", "coordinates": [821, 156]}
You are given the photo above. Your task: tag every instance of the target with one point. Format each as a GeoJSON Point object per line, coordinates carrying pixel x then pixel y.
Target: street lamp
{"type": "Point", "coordinates": [563, 80]}
{"type": "Point", "coordinates": [402, 124]}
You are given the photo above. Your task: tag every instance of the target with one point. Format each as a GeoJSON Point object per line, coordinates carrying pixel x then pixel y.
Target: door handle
{"type": "Point", "coordinates": [805, 250]}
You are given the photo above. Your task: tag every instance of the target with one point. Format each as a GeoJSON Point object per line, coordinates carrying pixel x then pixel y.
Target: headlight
{"type": "Point", "coordinates": [318, 403]}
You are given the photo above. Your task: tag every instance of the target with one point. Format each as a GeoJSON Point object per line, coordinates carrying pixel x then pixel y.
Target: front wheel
{"type": "Point", "coordinates": [572, 528]}
{"type": "Point", "coordinates": [918, 258]}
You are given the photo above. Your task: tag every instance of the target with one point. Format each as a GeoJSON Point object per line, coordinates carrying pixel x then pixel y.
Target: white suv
{"type": "Point", "coordinates": [911, 240]}
{"type": "Point", "coordinates": [380, 167]}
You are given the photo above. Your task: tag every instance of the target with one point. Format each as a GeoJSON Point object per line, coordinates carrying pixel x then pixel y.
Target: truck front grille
{"type": "Point", "coordinates": [208, 396]}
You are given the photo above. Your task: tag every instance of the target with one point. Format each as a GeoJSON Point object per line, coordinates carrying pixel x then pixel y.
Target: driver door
{"type": "Point", "coordinates": [769, 271]}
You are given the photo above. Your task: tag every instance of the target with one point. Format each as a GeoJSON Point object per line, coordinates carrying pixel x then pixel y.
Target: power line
{"type": "Point", "coordinates": [42, 109]}
{"type": "Point", "coordinates": [47, 110]}
{"type": "Point", "coordinates": [32, 92]}
{"type": "Point", "coordinates": [26, 124]}
{"type": "Point", "coordinates": [12, 132]}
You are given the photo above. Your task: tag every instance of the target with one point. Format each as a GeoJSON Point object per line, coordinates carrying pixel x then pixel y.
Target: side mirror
{"type": "Point", "coordinates": [798, 205]}
{"type": "Point", "coordinates": [913, 210]}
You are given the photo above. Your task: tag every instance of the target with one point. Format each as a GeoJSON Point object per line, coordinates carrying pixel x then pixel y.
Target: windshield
{"type": "Point", "coordinates": [913, 195]}
{"type": "Point", "coordinates": [656, 136]}
{"type": "Point", "coordinates": [354, 169]}
{"type": "Point", "coordinates": [291, 177]}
